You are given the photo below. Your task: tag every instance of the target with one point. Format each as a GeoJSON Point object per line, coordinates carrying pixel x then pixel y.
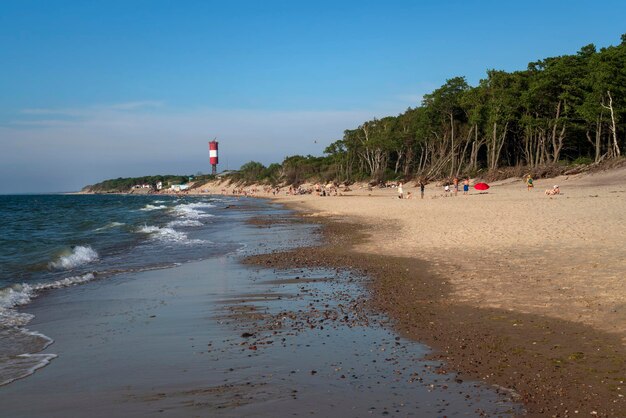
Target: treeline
{"type": "Point", "coordinates": [123, 185]}
{"type": "Point", "coordinates": [559, 110]}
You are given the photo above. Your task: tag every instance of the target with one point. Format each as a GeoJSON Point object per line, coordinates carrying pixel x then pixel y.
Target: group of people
{"type": "Point", "coordinates": [446, 188]}
{"type": "Point", "coordinates": [455, 185]}
{"type": "Point", "coordinates": [421, 185]}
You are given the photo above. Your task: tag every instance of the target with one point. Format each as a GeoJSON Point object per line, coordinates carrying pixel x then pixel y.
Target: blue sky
{"type": "Point", "coordinates": [98, 89]}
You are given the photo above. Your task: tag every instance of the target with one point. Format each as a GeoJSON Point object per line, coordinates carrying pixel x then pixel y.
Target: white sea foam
{"type": "Point", "coordinates": [21, 294]}
{"type": "Point", "coordinates": [109, 226]}
{"type": "Point", "coordinates": [167, 234]}
{"type": "Point", "coordinates": [80, 255]}
{"type": "Point", "coordinates": [190, 210]}
{"type": "Point", "coordinates": [23, 365]}
{"type": "Point", "coordinates": [184, 222]}
{"type": "Point", "coordinates": [153, 207]}
{"type": "Point", "coordinates": [67, 282]}
{"type": "Point", "coordinates": [200, 204]}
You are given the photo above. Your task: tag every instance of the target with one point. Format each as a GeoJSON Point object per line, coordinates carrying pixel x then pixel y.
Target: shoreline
{"type": "Point", "coordinates": [557, 256]}
{"type": "Point", "coordinates": [223, 338]}
{"type": "Point", "coordinates": [553, 366]}
{"type": "Point", "coordinates": [553, 332]}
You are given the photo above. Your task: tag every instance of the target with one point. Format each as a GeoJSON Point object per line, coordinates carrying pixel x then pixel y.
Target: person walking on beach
{"type": "Point", "coordinates": [455, 182]}
{"type": "Point", "coordinates": [529, 182]}
{"type": "Point", "coordinates": [466, 186]}
{"type": "Point", "coordinates": [422, 187]}
{"type": "Point", "coordinates": [400, 191]}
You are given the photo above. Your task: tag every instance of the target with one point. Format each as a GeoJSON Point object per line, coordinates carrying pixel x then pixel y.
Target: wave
{"type": "Point", "coordinates": [23, 365]}
{"type": "Point", "coordinates": [167, 234]}
{"type": "Point", "coordinates": [153, 207]}
{"type": "Point", "coordinates": [200, 204]}
{"type": "Point", "coordinates": [14, 366]}
{"type": "Point", "coordinates": [110, 225]}
{"type": "Point", "coordinates": [80, 255]}
{"type": "Point", "coordinates": [185, 222]}
{"type": "Point", "coordinates": [190, 210]}
{"type": "Point", "coordinates": [21, 294]}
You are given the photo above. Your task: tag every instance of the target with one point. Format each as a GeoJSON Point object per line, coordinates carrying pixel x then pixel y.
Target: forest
{"type": "Point", "coordinates": [559, 111]}
{"type": "Point", "coordinates": [124, 184]}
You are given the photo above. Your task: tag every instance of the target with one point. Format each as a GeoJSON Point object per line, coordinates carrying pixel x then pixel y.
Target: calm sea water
{"type": "Point", "coordinates": [55, 241]}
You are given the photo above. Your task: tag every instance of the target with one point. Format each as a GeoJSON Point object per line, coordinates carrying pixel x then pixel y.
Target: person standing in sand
{"type": "Point", "coordinates": [455, 182]}
{"type": "Point", "coordinates": [466, 186]}
{"type": "Point", "coordinates": [422, 187]}
{"type": "Point", "coordinates": [400, 191]}
{"type": "Point", "coordinates": [529, 182]}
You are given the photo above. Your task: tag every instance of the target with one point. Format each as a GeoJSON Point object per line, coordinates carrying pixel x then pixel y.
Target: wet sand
{"type": "Point", "coordinates": [518, 288]}
{"type": "Point", "coordinates": [556, 367]}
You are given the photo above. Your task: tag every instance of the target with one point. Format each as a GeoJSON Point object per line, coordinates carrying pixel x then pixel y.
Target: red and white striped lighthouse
{"type": "Point", "coordinates": [213, 156]}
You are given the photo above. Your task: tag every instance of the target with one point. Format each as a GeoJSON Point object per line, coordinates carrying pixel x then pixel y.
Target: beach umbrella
{"type": "Point", "coordinates": [481, 186]}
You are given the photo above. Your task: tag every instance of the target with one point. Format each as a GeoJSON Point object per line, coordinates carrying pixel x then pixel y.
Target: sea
{"type": "Point", "coordinates": [57, 241]}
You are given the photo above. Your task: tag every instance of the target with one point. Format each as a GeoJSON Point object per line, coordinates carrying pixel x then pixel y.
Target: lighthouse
{"type": "Point", "coordinates": [213, 156]}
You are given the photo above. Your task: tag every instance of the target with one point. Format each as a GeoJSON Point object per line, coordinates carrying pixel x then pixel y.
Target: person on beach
{"type": "Point", "coordinates": [466, 186]}
{"type": "Point", "coordinates": [529, 182]}
{"type": "Point", "coordinates": [400, 191]}
{"type": "Point", "coordinates": [555, 190]}
{"type": "Point", "coordinates": [446, 190]}
{"type": "Point", "coordinates": [422, 187]}
{"type": "Point", "coordinates": [455, 182]}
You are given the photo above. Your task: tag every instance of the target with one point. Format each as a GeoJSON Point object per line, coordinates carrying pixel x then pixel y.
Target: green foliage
{"type": "Point", "coordinates": [123, 185]}
{"type": "Point", "coordinates": [582, 161]}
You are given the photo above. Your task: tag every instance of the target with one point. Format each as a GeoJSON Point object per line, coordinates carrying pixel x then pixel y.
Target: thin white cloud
{"type": "Point", "coordinates": [136, 105]}
{"type": "Point", "coordinates": [42, 122]}
{"type": "Point", "coordinates": [43, 111]}
{"type": "Point", "coordinates": [99, 142]}
{"type": "Point", "coordinates": [91, 110]}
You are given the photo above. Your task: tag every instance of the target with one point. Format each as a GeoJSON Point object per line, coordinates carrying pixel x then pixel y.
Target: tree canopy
{"type": "Point", "coordinates": [559, 109]}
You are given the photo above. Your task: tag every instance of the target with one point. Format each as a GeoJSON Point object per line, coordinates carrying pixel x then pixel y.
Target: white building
{"type": "Point", "coordinates": [179, 187]}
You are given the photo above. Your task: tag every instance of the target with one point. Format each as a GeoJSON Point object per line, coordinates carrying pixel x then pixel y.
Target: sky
{"type": "Point", "coordinates": [91, 90]}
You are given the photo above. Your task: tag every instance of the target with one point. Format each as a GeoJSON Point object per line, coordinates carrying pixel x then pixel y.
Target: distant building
{"type": "Point", "coordinates": [179, 187]}
{"type": "Point", "coordinates": [159, 185]}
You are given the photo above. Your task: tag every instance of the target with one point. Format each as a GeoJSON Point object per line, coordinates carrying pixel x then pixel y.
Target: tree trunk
{"type": "Point", "coordinates": [557, 141]}
{"type": "Point", "coordinates": [615, 146]}
{"type": "Point", "coordinates": [597, 141]}
{"type": "Point", "coordinates": [452, 137]}
{"type": "Point", "coordinates": [462, 156]}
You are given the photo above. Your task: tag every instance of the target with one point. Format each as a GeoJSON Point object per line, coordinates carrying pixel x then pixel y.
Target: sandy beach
{"type": "Point", "coordinates": [562, 256]}
{"type": "Point", "coordinates": [543, 275]}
